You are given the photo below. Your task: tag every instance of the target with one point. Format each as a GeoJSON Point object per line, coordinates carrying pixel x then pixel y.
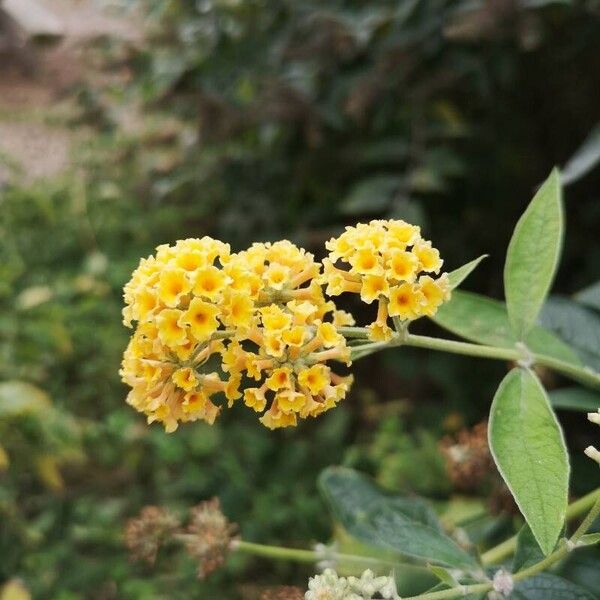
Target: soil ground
{"type": "Point", "coordinates": [35, 137]}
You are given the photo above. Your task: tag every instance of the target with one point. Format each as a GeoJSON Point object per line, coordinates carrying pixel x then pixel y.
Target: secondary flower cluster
{"type": "Point", "coordinates": [387, 261]}
{"type": "Point", "coordinates": [330, 586]}
{"type": "Point", "coordinates": [209, 321]}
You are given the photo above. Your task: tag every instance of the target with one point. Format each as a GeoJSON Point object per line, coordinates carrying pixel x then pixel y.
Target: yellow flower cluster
{"type": "Point", "coordinates": [209, 320]}
{"type": "Point", "coordinates": [390, 262]}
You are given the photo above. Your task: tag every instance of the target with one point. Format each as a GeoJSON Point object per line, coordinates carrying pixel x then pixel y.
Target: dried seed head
{"type": "Point", "coordinates": [468, 459]}
{"type": "Point", "coordinates": [283, 593]}
{"type": "Point", "coordinates": [208, 536]}
{"type": "Point", "coordinates": [146, 533]}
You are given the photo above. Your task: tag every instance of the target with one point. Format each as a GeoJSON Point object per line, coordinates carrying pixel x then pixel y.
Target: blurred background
{"type": "Point", "coordinates": [128, 124]}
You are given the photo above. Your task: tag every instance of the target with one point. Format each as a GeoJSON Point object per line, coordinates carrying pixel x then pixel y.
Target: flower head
{"type": "Point", "coordinates": [208, 321]}
{"type": "Point", "coordinates": [390, 262]}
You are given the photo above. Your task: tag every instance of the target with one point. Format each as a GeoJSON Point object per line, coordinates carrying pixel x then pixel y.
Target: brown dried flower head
{"type": "Point", "coordinates": [469, 463]}
{"type": "Point", "coordinates": [208, 536]}
{"type": "Point", "coordinates": [283, 593]}
{"type": "Point", "coordinates": [146, 533]}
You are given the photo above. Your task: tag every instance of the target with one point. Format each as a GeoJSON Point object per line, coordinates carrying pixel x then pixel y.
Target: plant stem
{"type": "Point", "coordinates": [583, 374]}
{"type": "Point", "coordinates": [498, 553]}
{"type": "Point", "coordinates": [308, 556]}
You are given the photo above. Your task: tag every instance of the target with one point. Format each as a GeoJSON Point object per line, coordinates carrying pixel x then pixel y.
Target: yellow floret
{"type": "Point", "coordinates": [406, 301]}
{"type": "Point", "coordinates": [170, 332]}
{"type": "Point", "coordinates": [201, 319]}
{"type": "Point", "coordinates": [173, 284]}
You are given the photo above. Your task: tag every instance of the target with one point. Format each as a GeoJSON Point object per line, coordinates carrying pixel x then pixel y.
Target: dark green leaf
{"type": "Point", "coordinates": [581, 567]}
{"type": "Point", "coordinates": [590, 296]}
{"type": "Point", "coordinates": [575, 398]}
{"type": "Point", "coordinates": [528, 447]}
{"type": "Point", "coordinates": [577, 325]}
{"type": "Point", "coordinates": [549, 587]}
{"type": "Point", "coordinates": [372, 516]}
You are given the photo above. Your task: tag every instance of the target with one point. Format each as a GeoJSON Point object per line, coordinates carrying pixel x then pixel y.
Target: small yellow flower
{"type": "Point", "coordinates": [366, 262]}
{"type": "Point", "coordinates": [280, 378]}
{"type": "Point", "coordinates": [289, 400]}
{"type": "Point", "coordinates": [435, 292]}
{"type": "Point", "coordinates": [274, 345]}
{"type": "Point", "coordinates": [380, 332]}
{"type": "Point", "coordinates": [274, 318]}
{"type": "Point", "coordinates": [201, 318]}
{"type": "Point", "coordinates": [403, 266]}
{"type": "Point", "coordinates": [172, 286]}
{"type": "Point", "coordinates": [238, 310]}
{"type": "Point", "coordinates": [429, 257]}
{"type": "Point", "coordinates": [314, 378]}
{"type": "Point", "coordinates": [276, 276]}
{"type": "Point", "coordinates": [194, 401]}
{"type": "Point", "coordinates": [295, 336]}
{"type": "Point", "coordinates": [329, 336]}
{"type": "Point", "coordinates": [185, 378]}
{"type": "Point", "coordinates": [406, 301]}
{"type": "Point", "coordinates": [275, 418]}
{"type": "Point", "coordinates": [374, 286]}
{"type": "Point", "coordinates": [210, 282]}
{"type": "Point", "coordinates": [170, 332]}
{"type": "Point", "coordinates": [255, 398]}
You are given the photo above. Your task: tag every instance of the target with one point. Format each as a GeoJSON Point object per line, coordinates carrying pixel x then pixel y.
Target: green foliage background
{"type": "Point", "coordinates": [265, 120]}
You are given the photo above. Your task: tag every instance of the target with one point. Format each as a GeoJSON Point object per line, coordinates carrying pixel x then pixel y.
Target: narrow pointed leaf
{"type": "Point", "coordinates": [533, 255]}
{"type": "Point", "coordinates": [528, 447]}
{"type": "Point", "coordinates": [459, 275]}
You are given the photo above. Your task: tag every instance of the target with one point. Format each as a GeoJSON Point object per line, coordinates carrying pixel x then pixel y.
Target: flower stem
{"type": "Point", "coordinates": [584, 375]}
{"type": "Point", "coordinates": [307, 556]}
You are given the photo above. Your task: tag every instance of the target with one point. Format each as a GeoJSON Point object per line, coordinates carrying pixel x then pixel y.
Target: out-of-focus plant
{"type": "Point", "coordinates": [185, 305]}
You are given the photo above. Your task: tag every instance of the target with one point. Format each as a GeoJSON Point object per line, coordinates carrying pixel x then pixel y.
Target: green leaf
{"type": "Point", "coordinates": [459, 275]}
{"type": "Point", "coordinates": [371, 196]}
{"type": "Point", "coordinates": [589, 539]}
{"type": "Point", "coordinates": [443, 575]}
{"type": "Point", "coordinates": [528, 447]}
{"type": "Point", "coordinates": [585, 159]}
{"type": "Point", "coordinates": [372, 516]}
{"type": "Point", "coordinates": [483, 320]}
{"type": "Point", "coordinates": [575, 398]}
{"type": "Point", "coordinates": [577, 325]}
{"type": "Point", "coordinates": [590, 296]}
{"type": "Point", "coordinates": [533, 255]}
{"type": "Point", "coordinates": [549, 587]}
{"type": "Point", "coordinates": [18, 398]}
